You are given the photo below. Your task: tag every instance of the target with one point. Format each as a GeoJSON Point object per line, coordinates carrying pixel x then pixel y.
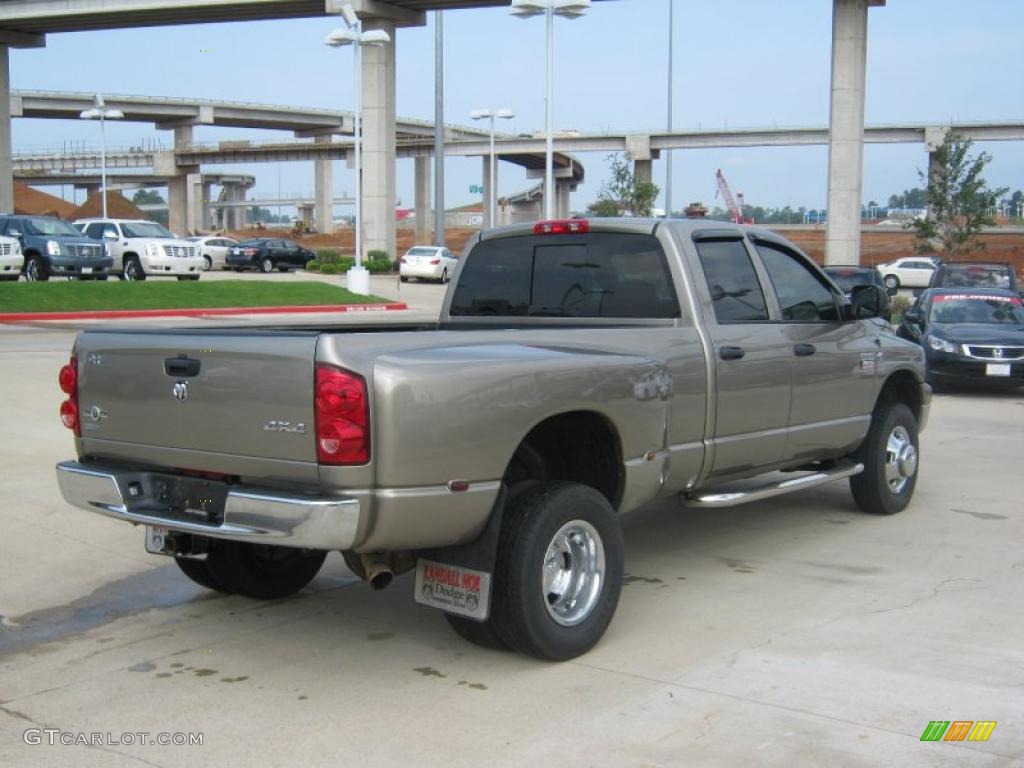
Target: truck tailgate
{"type": "Point", "coordinates": [204, 396]}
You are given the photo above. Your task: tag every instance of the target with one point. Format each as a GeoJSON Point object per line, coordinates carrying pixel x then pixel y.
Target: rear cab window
{"type": "Point", "coordinates": [594, 275]}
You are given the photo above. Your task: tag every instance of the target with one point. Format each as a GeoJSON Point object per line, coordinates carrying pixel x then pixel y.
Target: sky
{"type": "Point", "coordinates": [737, 63]}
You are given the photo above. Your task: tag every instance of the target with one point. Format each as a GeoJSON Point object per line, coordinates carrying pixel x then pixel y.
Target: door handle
{"type": "Point", "coordinates": [803, 350]}
{"type": "Point", "coordinates": [181, 366]}
{"type": "Point", "coordinates": [731, 353]}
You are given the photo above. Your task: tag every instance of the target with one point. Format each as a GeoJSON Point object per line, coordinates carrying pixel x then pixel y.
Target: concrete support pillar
{"type": "Point", "coordinates": [323, 185]}
{"type": "Point", "coordinates": [205, 219]}
{"type": "Point", "coordinates": [378, 156]}
{"type": "Point", "coordinates": [486, 176]}
{"type": "Point", "coordinates": [195, 203]}
{"type": "Point", "coordinates": [422, 183]}
{"type": "Point", "coordinates": [306, 214]}
{"type": "Point", "coordinates": [177, 187]}
{"type": "Point", "coordinates": [846, 130]}
{"type": "Point", "coordinates": [6, 162]}
{"type": "Point", "coordinates": [90, 190]}
{"type": "Point", "coordinates": [562, 199]}
{"type": "Point", "coordinates": [643, 170]}
{"type": "Point", "coordinates": [237, 193]}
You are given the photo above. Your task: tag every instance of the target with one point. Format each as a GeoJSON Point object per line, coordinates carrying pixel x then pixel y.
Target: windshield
{"type": "Point", "coordinates": [991, 310]}
{"type": "Point", "coordinates": [145, 229]}
{"type": "Point", "coordinates": [45, 226]}
{"type": "Point", "coordinates": [976, 276]}
{"type": "Point", "coordinates": [846, 279]}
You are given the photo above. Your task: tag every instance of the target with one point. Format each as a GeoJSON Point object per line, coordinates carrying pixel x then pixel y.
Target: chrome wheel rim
{"type": "Point", "coordinates": [900, 459]}
{"type": "Point", "coordinates": [572, 574]}
{"type": "Point", "coordinates": [130, 271]}
{"type": "Point", "coordinates": [207, 263]}
{"type": "Point", "coordinates": [32, 270]}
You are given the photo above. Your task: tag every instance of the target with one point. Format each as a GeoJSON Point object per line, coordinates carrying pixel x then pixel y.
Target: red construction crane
{"type": "Point", "coordinates": [735, 212]}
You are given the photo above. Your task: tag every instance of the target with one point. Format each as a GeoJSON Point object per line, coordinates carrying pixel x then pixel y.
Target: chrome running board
{"type": "Point", "coordinates": [732, 498]}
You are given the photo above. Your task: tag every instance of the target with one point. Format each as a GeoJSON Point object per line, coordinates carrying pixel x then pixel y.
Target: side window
{"type": "Point", "coordinates": [111, 228]}
{"type": "Point", "coordinates": [94, 230]}
{"type": "Point", "coordinates": [495, 281]}
{"type": "Point", "coordinates": [803, 297]}
{"type": "Point", "coordinates": [735, 290]}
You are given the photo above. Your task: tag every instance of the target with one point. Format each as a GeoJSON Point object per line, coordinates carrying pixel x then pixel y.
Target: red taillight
{"type": "Point", "coordinates": [562, 227]}
{"type": "Point", "coordinates": [342, 417]}
{"type": "Point", "coordinates": [435, 262]}
{"type": "Point", "coordinates": [68, 379]}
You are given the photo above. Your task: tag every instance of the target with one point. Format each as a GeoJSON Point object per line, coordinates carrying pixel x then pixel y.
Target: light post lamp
{"type": "Point", "coordinates": [101, 112]}
{"type": "Point", "coordinates": [482, 114]}
{"type": "Point", "coordinates": [357, 279]}
{"type": "Point", "coordinates": [569, 9]}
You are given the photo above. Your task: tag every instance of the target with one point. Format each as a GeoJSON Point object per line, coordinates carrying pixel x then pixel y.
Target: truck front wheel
{"type": "Point", "coordinates": [558, 573]}
{"type": "Point", "coordinates": [890, 457]}
{"type": "Point", "coordinates": [262, 571]}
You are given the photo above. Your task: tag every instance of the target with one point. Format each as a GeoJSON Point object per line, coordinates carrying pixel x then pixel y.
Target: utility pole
{"type": "Point", "coordinates": [439, 128]}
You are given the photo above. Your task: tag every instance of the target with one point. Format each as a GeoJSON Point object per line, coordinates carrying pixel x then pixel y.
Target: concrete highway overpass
{"type": "Point", "coordinates": [24, 23]}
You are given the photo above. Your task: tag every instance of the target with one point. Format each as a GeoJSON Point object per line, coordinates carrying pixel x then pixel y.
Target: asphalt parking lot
{"type": "Point", "coordinates": [796, 631]}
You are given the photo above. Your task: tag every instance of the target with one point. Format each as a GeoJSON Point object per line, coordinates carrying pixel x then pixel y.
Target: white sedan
{"type": "Point", "coordinates": [11, 258]}
{"type": "Point", "coordinates": [213, 249]}
{"type": "Point", "coordinates": [909, 272]}
{"type": "Point", "coordinates": [427, 262]}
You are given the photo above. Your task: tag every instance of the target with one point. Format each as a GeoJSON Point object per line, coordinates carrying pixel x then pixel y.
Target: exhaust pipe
{"type": "Point", "coordinates": [377, 566]}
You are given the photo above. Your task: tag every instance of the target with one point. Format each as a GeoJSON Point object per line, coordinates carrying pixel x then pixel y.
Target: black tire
{"type": "Point", "coordinates": [520, 612]}
{"type": "Point", "coordinates": [207, 263]}
{"type": "Point", "coordinates": [444, 276]}
{"type": "Point", "coordinates": [482, 633]}
{"type": "Point", "coordinates": [35, 270]}
{"type": "Point", "coordinates": [887, 483]}
{"type": "Point", "coordinates": [188, 277]}
{"type": "Point", "coordinates": [404, 279]}
{"type": "Point", "coordinates": [199, 572]}
{"type": "Point", "coordinates": [263, 571]}
{"type": "Point", "coordinates": [891, 281]}
{"type": "Point", "coordinates": [10, 278]}
{"type": "Point", "coordinates": [133, 270]}
{"type": "Point", "coordinates": [266, 265]}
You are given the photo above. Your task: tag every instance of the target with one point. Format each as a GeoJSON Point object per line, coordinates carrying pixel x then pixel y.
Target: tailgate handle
{"type": "Point", "coordinates": [181, 366]}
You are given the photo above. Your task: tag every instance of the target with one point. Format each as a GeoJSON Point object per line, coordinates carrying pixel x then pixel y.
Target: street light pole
{"type": "Point", "coordinates": [570, 9]}
{"type": "Point", "coordinates": [480, 114]}
{"type": "Point", "coordinates": [358, 279]}
{"type": "Point", "coordinates": [101, 113]}
{"type": "Point", "coordinates": [668, 158]}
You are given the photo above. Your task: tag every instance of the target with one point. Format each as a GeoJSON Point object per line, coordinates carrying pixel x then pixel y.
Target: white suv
{"type": "Point", "coordinates": [11, 258]}
{"type": "Point", "coordinates": [143, 248]}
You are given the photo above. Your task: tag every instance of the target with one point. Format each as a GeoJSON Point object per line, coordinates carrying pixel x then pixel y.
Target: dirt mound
{"type": "Point", "coordinates": [117, 207]}
{"type": "Point", "coordinates": [31, 202]}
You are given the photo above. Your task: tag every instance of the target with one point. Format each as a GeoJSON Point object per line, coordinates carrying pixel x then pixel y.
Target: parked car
{"type": "Point", "coordinates": [11, 259]}
{"type": "Point", "coordinates": [52, 247]}
{"type": "Point", "coordinates": [142, 249]}
{"type": "Point", "coordinates": [969, 335]}
{"type": "Point", "coordinates": [427, 262]}
{"type": "Point", "coordinates": [976, 274]}
{"type": "Point", "coordinates": [267, 254]}
{"type": "Point", "coordinates": [213, 249]}
{"type": "Point", "coordinates": [578, 369]}
{"type": "Point", "coordinates": [909, 272]}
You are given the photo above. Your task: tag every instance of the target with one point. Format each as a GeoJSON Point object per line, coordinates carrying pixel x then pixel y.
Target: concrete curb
{"type": "Point", "coordinates": [117, 314]}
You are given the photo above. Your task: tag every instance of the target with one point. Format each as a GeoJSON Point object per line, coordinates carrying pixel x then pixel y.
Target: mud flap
{"type": "Point", "coordinates": [457, 579]}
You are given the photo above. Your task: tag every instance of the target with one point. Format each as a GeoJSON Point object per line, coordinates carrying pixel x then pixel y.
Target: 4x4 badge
{"type": "Point", "coordinates": [180, 391]}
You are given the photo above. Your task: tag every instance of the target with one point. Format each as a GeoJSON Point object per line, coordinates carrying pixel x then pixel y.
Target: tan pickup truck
{"type": "Point", "coordinates": [578, 370]}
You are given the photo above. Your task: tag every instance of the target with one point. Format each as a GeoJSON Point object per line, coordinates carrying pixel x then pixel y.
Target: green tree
{"type": "Point", "coordinates": [623, 194]}
{"type": "Point", "coordinates": [148, 197]}
{"type": "Point", "coordinates": [960, 202]}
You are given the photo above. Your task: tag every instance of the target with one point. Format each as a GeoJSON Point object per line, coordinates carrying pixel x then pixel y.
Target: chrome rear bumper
{"type": "Point", "coordinates": [250, 514]}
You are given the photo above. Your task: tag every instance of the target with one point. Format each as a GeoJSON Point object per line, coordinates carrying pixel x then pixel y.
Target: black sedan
{"type": "Point", "coordinates": [970, 335]}
{"type": "Point", "coordinates": [267, 254]}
